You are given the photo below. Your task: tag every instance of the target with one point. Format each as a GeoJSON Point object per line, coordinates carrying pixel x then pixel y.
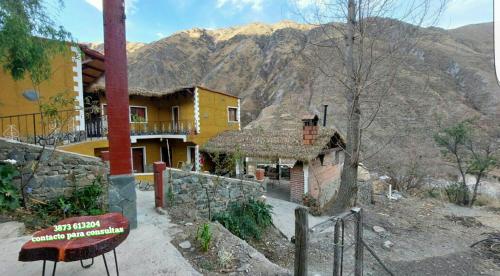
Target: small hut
{"type": "Point", "coordinates": [317, 153]}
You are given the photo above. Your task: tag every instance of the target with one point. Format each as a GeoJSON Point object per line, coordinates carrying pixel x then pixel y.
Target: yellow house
{"type": "Point", "coordinates": [165, 125]}
{"type": "Point", "coordinates": [71, 72]}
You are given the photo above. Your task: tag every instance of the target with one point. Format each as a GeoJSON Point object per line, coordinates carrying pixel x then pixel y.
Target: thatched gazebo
{"type": "Point", "coordinates": [317, 153]}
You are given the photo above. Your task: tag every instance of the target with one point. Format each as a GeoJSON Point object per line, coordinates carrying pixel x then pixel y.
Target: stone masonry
{"type": "Point", "coordinates": [196, 190]}
{"type": "Point", "coordinates": [59, 173]}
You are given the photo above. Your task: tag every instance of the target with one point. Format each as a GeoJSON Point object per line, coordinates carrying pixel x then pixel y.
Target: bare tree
{"type": "Point", "coordinates": [362, 46]}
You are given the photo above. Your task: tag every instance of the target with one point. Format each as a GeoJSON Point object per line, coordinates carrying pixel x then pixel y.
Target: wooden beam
{"type": "Point", "coordinates": [88, 65]}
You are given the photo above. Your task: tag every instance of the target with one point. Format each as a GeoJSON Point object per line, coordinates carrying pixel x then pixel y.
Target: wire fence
{"type": "Point", "coordinates": [335, 247]}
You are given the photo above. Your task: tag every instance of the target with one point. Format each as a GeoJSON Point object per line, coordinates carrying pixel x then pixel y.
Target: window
{"type": "Point", "coordinates": [232, 114]}
{"type": "Point", "coordinates": [138, 114]}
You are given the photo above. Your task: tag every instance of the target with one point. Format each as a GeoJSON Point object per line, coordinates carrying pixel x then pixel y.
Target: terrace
{"type": "Point", "coordinates": [35, 128]}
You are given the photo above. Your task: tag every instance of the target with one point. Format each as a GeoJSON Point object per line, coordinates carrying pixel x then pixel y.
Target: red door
{"type": "Point", "coordinates": [138, 160]}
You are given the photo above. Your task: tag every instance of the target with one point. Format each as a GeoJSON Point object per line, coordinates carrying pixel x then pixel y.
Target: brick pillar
{"type": "Point", "coordinates": [310, 134]}
{"type": "Point", "coordinates": [158, 168]}
{"type": "Point", "coordinates": [297, 182]}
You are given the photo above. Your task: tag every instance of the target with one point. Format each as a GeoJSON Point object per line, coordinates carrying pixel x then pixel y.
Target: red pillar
{"type": "Point", "coordinates": [117, 97]}
{"type": "Point", "coordinates": [158, 168]}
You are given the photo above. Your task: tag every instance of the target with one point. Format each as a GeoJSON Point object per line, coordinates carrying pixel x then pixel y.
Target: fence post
{"type": "Point", "coordinates": [358, 255]}
{"type": "Point", "coordinates": [158, 168]}
{"type": "Point", "coordinates": [336, 249]}
{"type": "Point", "coordinates": [301, 239]}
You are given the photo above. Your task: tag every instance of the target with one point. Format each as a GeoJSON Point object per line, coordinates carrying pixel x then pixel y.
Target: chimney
{"type": "Point", "coordinates": [324, 115]}
{"type": "Point", "coordinates": [310, 129]}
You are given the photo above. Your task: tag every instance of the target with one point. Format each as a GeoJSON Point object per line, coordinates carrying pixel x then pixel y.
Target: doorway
{"type": "Point", "coordinates": [175, 118]}
{"type": "Point", "coordinates": [138, 159]}
{"type": "Point", "coordinates": [191, 156]}
{"type": "Point", "coordinates": [166, 156]}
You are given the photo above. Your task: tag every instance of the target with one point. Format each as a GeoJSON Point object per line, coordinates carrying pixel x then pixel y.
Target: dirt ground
{"type": "Point", "coordinates": [228, 254]}
{"type": "Point", "coordinates": [429, 237]}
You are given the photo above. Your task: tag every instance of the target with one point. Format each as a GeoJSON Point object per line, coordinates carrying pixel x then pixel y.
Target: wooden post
{"type": "Point", "coordinates": [117, 97]}
{"type": "Point", "coordinates": [358, 255]}
{"type": "Point", "coordinates": [336, 249]}
{"type": "Point", "coordinates": [158, 168]}
{"type": "Point", "coordinates": [301, 239]}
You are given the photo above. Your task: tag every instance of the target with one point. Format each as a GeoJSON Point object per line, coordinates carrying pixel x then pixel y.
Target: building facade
{"type": "Point", "coordinates": [165, 125]}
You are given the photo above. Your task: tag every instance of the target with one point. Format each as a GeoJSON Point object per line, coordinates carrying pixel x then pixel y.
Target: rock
{"type": "Point", "coordinates": [11, 229]}
{"type": "Point", "coordinates": [378, 229]}
{"type": "Point", "coordinates": [253, 254]}
{"type": "Point", "coordinates": [387, 245]}
{"type": "Point", "coordinates": [243, 268]}
{"type": "Point", "coordinates": [188, 224]}
{"type": "Point", "coordinates": [185, 245]}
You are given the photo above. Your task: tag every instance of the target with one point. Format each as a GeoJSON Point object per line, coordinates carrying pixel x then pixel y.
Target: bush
{"type": "Point", "coordinates": [312, 203]}
{"type": "Point", "coordinates": [246, 219]}
{"type": "Point", "coordinates": [455, 193]}
{"type": "Point", "coordinates": [83, 202]}
{"type": "Point", "coordinates": [9, 195]}
{"type": "Point", "coordinates": [204, 236]}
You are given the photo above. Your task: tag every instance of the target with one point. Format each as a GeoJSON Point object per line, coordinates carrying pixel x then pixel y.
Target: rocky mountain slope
{"type": "Point", "coordinates": [449, 75]}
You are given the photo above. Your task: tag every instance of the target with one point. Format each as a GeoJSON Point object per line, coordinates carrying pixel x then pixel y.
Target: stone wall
{"type": "Point", "coordinates": [196, 190]}
{"type": "Point", "coordinates": [59, 172]}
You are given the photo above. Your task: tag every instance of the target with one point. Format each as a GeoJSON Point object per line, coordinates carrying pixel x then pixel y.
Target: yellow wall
{"type": "Point", "coordinates": [213, 120]}
{"type": "Point", "coordinates": [12, 101]}
{"type": "Point", "coordinates": [214, 115]}
{"type": "Point", "coordinates": [87, 147]}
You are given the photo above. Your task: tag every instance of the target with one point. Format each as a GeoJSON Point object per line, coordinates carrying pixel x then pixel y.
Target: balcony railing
{"type": "Point", "coordinates": [43, 129]}
{"type": "Point", "coordinates": [98, 127]}
{"type": "Point", "coordinates": [162, 127]}
{"type": "Point", "coordinates": [65, 128]}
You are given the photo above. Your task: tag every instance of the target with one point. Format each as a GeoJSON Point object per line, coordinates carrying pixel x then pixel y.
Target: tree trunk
{"type": "Point", "coordinates": [349, 178]}
{"type": "Point", "coordinates": [476, 185]}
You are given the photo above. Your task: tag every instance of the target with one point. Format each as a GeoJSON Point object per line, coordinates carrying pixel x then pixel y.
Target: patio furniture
{"type": "Point", "coordinates": [77, 239]}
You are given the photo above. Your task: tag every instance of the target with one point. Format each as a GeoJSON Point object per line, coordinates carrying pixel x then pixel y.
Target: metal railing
{"type": "Point", "coordinates": [64, 127]}
{"type": "Point", "coordinates": [43, 129]}
{"type": "Point", "coordinates": [162, 127]}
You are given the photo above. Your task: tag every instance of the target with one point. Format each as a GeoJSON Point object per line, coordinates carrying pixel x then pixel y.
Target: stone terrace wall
{"type": "Point", "coordinates": [192, 189]}
{"type": "Point", "coordinates": [59, 174]}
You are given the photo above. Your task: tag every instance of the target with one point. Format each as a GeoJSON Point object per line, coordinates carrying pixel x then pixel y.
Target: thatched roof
{"type": "Point", "coordinates": [273, 144]}
{"type": "Point", "coordinates": [100, 87]}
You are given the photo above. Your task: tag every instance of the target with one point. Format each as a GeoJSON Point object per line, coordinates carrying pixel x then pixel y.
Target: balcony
{"type": "Point", "coordinates": [98, 127]}
{"type": "Point", "coordinates": [64, 128]}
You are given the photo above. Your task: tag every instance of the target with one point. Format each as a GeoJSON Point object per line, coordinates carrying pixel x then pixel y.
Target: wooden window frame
{"type": "Point", "coordinates": [229, 114]}
{"type": "Point", "coordinates": [137, 106]}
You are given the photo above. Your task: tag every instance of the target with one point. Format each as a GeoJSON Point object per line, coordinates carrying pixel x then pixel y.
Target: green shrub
{"type": "Point", "coordinates": [455, 193]}
{"type": "Point", "coordinates": [9, 195]}
{"type": "Point", "coordinates": [204, 236]}
{"type": "Point", "coordinates": [246, 219]}
{"type": "Point", "coordinates": [433, 192]}
{"type": "Point", "coordinates": [83, 201]}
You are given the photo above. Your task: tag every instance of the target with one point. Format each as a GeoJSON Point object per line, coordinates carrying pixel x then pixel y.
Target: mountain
{"type": "Point", "coordinates": [449, 75]}
{"type": "Point", "coordinates": [131, 46]}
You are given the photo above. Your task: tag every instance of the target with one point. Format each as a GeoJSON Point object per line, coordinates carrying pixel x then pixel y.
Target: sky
{"type": "Point", "coordinates": [150, 20]}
